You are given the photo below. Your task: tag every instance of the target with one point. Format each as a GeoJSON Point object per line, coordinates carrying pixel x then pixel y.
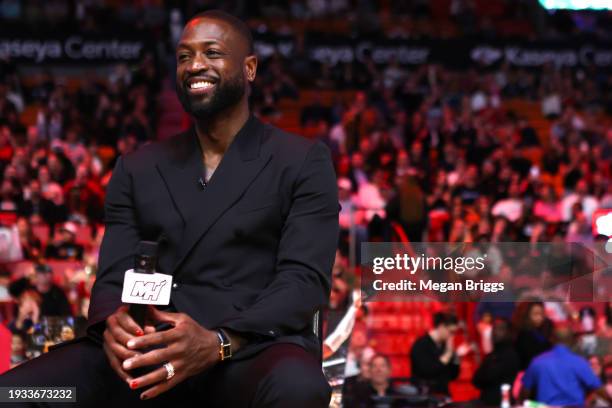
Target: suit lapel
{"type": "Point", "coordinates": [201, 207]}
{"type": "Point", "coordinates": [181, 170]}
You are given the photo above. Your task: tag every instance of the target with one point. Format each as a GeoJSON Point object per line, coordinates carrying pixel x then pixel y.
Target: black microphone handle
{"type": "Point", "coordinates": [138, 313]}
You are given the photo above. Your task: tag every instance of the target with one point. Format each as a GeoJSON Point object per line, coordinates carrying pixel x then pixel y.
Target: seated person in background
{"type": "Point", "coordinates": [353, 384]}
{"type": "Point", "coordinates": [380, 379]}
{"type": "Point", "coordinates": [49, 298]}
{"type": "Point", "coordinates": [433, 359]}
{"type": "Point", "coordinates": [360, 352]}
{"type": "Point", "coordinates": [28, 311]}
{"type": "Point", "coordinates": [31, 247]}
{"type": "Point", "coordinates": [533, 331]}
{"type": "Point", "coordinates": [37, 207]}
{"type": "Point", "coordinates": [560, 377]}
{"type": "Point", "coordinates": [366, 393]}
{"type": "Point", "coordinates": [54, 300]}
{"type": "Point", "coordinates": [18, 348]}
{"type": "Point", "coordinates": [499, 367]}
{"type": "Point", "coordinates": [65, 247]}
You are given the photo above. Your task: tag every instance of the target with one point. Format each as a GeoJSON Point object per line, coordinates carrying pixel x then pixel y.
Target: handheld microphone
{"type": "Point", "coordinates": [145, 262]}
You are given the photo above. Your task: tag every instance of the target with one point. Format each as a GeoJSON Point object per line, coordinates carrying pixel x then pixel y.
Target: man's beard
{"type": "Point", "coordinates": [226, 94]}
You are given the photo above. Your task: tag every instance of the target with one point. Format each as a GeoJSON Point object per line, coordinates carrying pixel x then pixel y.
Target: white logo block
{"type": "Point", "coordinates": [146, 288]}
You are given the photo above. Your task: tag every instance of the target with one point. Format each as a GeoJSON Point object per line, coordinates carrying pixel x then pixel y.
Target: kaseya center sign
{"type": "Point", "coordinates": [71, 48]}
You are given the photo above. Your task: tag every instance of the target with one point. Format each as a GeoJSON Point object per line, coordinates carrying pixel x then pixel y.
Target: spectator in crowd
{"type": "Point", "coordinates": [380, 377]}
{"type": "Point", "coordinates": [18, 349]}
{"type": "Point", "coordinates": [65, 246]}
{"type": "Point", "coordinates": [6, 145]}
{"type": "Point", "coordinates": [533, 331]}
{"type": "Point", "coordinates": [10, 197]}
{"type": "Point", "coordinates": [547, 207]}
{"type": "Point", "coordinates": [72, 147]}
{"type": "Point", "coordinates": [499, 367]}
{"type": "Point", "coordinates": [39, 209]}
{"type": "Point", "coordinates": [579, 228]}
{"type": "Point", "coordinates": [604, 322]}
{"type": "Point", "coordinates": [511, 207]}
{"type": "Point", "coordinates": [433, 360]}
{"type": "Point", "coordinates": [366, 393]}
{"type": "Point", "coordinates": [560, 377]}
{"type": "Point", "coordinates": [580, 194]}
{"type": "Point", "coordinates": [53, 299]}
{"type": "Point", "coordinates": [350, 215]}
{"type": "Point", "coordinates": [28, 311]}
{"type": "Point", "coordinates": [353, 384]}
{"type": "Point", "coordinates": [31, 247]}
{"type": "Point", "coordinates": [315, 112]}
{"type": "Point", "coordinates": [359, 355]}
{"type": "Point", "coordinates": [60, 167]}
{"type": "Point", "coordinates": [53, 192]}
{"type": "Point", "coordinates": [84, 197]}
{"type": "Point", "coordinates": [408, 208]}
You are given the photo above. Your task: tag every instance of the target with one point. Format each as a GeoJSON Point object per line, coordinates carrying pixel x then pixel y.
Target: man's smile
{"type": "Point", "coordinates": [200, 85]}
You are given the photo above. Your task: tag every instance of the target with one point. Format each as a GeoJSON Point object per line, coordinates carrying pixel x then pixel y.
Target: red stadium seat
{"type": "Point", "coordinates": [42, 232]}
{"type": "Point", "coordinates": [83, 235]}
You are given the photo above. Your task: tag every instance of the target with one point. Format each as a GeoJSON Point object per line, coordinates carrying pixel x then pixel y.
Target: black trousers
{"type": "Point", "coordinates": [282, 375]}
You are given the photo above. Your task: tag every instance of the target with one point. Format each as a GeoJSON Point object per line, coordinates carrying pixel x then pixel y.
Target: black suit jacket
{"type": "Point", "coordinates": [251, 252]}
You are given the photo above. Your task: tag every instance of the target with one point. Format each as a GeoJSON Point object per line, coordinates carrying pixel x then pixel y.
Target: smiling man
{"type": "Point", "coordinates": [246, 218]}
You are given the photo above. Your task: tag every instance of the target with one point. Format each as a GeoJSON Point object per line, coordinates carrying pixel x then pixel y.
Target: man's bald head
{"type": "Point", "coordinates": [238, 25]}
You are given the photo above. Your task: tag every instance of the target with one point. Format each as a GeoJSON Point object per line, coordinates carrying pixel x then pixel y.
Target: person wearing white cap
{"type": "Point", "coordinates": [65, 245]}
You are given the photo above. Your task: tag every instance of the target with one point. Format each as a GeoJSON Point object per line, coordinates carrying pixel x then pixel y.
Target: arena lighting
{"type": "Point", "coordinates": [577, 4]}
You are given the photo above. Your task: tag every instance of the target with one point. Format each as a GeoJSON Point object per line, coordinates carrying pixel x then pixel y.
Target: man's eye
{"type": "Point", "coordinates": [213, 53]}
{"type": "Point", "coordinates": [182, 57]}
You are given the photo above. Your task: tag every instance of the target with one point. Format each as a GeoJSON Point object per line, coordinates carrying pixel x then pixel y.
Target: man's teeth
{"type": "Point", "coordinates": [201, 84]}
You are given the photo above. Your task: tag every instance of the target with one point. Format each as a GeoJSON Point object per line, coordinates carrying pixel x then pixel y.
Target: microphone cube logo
{"type": "Point", "coordinates": [146, 289]}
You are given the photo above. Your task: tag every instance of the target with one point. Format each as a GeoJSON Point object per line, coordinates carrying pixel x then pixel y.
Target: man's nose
{"type": "Point", "coordinates": [199, 63]}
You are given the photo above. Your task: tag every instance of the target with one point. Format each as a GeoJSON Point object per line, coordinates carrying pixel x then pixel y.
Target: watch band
{"type": "Point", "coordinates": [225, 345]}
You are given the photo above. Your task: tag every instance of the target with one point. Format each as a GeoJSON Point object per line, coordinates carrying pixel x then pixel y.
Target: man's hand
{"type": "Point", "coordinates": [120, 328]}
{"type": "Point", "coordinates": [189, 347]}
{"type": "Point", "coordinates": [28, 309]}
{"type": "Point", "coordinates": [448, 351]}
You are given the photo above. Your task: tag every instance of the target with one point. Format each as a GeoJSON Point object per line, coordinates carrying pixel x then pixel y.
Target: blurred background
{"type": "Point", "coordinates": [448, 121]}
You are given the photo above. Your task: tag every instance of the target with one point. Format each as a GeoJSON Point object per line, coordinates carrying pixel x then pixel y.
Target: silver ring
{"type": "Point", "coordinates": [170, 370]}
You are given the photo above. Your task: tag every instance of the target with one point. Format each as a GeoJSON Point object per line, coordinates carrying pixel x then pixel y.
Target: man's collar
{"type": "Point", "coordinates": [183, 147]}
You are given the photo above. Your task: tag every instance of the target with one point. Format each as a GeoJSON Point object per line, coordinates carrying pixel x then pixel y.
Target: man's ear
{"type": "Point", "coordinates": [250, 64]}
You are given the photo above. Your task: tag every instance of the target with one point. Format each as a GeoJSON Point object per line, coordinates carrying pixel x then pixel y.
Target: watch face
{"type": "Point", "coordinates": [227, 351]}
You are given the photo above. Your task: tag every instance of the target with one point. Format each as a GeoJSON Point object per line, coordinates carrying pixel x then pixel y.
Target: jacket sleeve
{"type": "Point", "coordinates": [117, 251]}
{"type": "Point", "coordinates": [305, 255]}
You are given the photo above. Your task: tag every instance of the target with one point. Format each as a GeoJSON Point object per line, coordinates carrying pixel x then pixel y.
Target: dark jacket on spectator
{"type": "Point", "coordinates": [47, 210]}
{"type": "Point", "coordinates": [360, 394]}
{"type": "Point", "coordinates": [499, 367]}
{"type": "Point", "coordinates": [65, 250]}
{"type": "Point", "coordinates": [530, 344]}
{"type": "Point", "coordinates": [427, 369]}
{"type": "Point", "coordinates": [55, 303]}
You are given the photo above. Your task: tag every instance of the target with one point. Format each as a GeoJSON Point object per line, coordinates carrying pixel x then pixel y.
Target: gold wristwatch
{"type": "Point", "coordinates": [225, 345]}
